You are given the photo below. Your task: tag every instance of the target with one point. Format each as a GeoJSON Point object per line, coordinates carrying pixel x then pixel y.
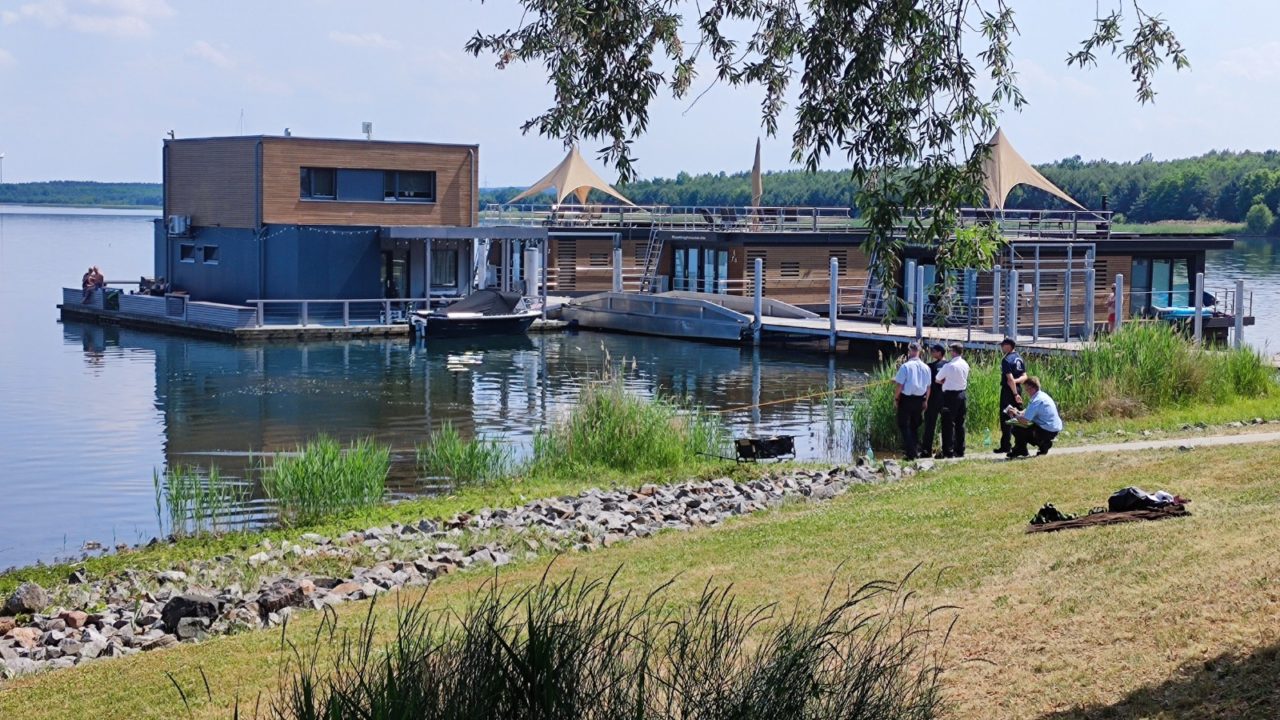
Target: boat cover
{"type": "Point", "coordinates": [485, 302]}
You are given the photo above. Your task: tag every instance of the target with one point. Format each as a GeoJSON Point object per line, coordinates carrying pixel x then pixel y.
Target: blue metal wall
{"type": "Point", "coordinates": [232, 278]}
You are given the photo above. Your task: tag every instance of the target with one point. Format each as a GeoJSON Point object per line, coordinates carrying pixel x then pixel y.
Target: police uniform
{"type": "Point", "coordinates": [1011, 365]}
{"type": "Point", "coordinates": [932, 409]}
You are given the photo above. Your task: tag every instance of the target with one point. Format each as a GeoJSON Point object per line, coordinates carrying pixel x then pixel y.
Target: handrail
{"type": "Point", "coordinates": [305, 317]}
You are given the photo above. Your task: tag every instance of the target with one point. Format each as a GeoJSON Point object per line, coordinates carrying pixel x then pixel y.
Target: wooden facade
{"type": "Point", "coordinates": [213, 181]}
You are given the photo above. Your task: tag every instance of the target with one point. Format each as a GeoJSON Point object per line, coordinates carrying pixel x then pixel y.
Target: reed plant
{"type": "Point", "coordinates": [580, 648]}
{"type": "Point", "coordinates": [191, 503]}
{"type": "Point", "coordinates": [447, 454]}
{"type": "Point", "coordinates": [1142, 368]}
{"type": "Point", "coordinates": [323, 479]}
{"type": "Point", "coordinates": [614, 429]}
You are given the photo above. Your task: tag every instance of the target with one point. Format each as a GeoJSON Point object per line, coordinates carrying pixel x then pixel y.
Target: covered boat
{"type": "Point", "coordinates": [483, 312]}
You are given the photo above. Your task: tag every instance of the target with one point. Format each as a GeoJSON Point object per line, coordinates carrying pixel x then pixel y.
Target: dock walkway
{"type": "Point", "coordinates": [868, 331]}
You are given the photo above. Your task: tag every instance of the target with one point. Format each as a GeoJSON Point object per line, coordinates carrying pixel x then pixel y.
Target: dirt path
{"type": "Point", "coordinates": [1244, 438]}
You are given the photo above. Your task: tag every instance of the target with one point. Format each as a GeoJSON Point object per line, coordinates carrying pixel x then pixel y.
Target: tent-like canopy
{"type": "Point", "coordinates": [572, 177]}
{"type": "Point", "coordinates": [1004, 168]}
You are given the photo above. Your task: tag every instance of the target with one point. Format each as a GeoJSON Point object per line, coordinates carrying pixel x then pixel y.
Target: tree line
{"type": "Point", "coordinates": [1219, 185]}
{"type": "Point", "coordinates": [82, 193]}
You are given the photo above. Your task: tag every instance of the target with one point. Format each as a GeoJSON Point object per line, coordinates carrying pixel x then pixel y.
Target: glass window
{"type": "Point", "coordinates": [415, 186]}
{"type": "Point", "coordinates": [187, 252]}
{"type": "Point", "coordinates": [1140, 293]}
{"type": "Point", "coordinates": [1181, 283]}
{"type": "Point", "coordinates": [444, 268]}
{"type": "Point", "coordinates": [1161, 280]}
{"type": "Point", "coordinates": [211, 254]}
{"type": "Point", "coordinates": [318, 183]}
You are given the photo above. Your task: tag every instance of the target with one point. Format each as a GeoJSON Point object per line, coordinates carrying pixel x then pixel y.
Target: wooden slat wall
{"type": "Point", "coordinates": [456, 185]}
{"type": "Point", "coordinates": [801, 275]}
{"type": "Point", "coordinates": [577, 271]}
{"type": "Point", "coordinates": [214, 181]}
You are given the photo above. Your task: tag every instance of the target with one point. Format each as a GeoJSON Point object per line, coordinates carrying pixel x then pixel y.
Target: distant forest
{"type": "Point", "coordinates": [1220, 185]}
{"type": "Point", "coordinates": [75, 192]}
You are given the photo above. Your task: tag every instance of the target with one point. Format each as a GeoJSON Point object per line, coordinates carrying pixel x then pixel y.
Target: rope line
{"type": "Point", "coordinates": [849, 388]}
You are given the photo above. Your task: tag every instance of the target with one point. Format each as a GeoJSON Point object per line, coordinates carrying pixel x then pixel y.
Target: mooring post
{"type": "Point", "coordinates": [261, 317]}
{"type": "Point", "coordinates": [996, 294]}
{"type": "Point", "coordinates": [1199, 319]}
{"type": "Point", "coordinates": [1013, 303]}
{"type": "Point", "coordinates": [920, 298]}
{"type": "Point", "coordinates": [1119, 301]}
{"type": "Point", "coordinates": [909, 289]}
{"type": "Point", "coordinates": [305, 313]}
{"type": "Point", "coordinates": [834, 300]}
{"type": "Point", "coordinates": [1239, 314]}
{"type": "Point", "coordinates": [757, 305]}
{"type": "Point", "coordinates": [1090, 302]}
{"type": "Point", "coordinates": [617, 269]}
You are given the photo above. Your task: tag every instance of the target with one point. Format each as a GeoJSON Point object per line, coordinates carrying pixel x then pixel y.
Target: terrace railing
{"type": "Point", "coordinates": [335, 313]}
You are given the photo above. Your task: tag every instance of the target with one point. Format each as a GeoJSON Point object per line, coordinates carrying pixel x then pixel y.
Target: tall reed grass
{"type": "Point", "coordinates": [447, 454]}
{"type": "Point", "coordinates": [580, 648]}
{"type": "Point", "coordinates": [323, 478]}
{"type": "Point", "coordinates": [189, 503]}
{"type": "Point", "coordinates": [614, 429]}
{"type": "Point", "coordinates": [1142, 368]}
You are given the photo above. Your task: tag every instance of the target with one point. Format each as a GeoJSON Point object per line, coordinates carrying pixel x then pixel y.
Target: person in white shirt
{"type": "Point", "coordinates": [954, 379]}
{"type": "Point", "coordinates": [910, 393]}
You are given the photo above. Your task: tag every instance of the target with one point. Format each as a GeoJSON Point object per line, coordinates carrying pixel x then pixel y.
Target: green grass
{"type": "Point", "coordinates": [1181, 227]}
{"type": "Point", "coordinates": [1140, 620]}
{"type": "Point", "coordinates": [1144, 368]}
{"type": "Point", "coordinates": [325, 479]}
{"type": "Point", "coordinates": [188, 503]}
{"type": "Point", "coordinates": [446, 454]}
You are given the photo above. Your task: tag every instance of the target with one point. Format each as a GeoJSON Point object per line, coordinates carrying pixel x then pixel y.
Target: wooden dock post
{"type": "Point", "coordinates": [757, 305]}
{"type": "Point", "coordinates": [1119, 301]}
{"type": "Point", "coordinates": [1239, 315]}
{"type": "Point", "coordinates": [1199, 318]}
{"type": "Point", "coordinates": [920, 298]}
{"type": "Point", "coordinates": [834, 300]}
{"type": "Point", "coordinates": [617, 269]}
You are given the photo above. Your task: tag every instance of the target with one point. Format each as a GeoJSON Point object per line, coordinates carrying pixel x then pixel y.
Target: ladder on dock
{"type": "Point", "coordinates": [873, 294]}
{"type": "Point", "coordinates": [652, 253]}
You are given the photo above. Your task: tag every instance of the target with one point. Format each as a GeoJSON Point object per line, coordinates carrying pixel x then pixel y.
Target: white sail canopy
{"type": "Point", "coordinates": [1004, 169]}
{"type": "Point", "coordinates": [571, 177]}
{"type": "Point", "coordinates": [757, 179]}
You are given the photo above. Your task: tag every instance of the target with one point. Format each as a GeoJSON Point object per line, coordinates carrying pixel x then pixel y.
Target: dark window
{"type": "Point", "coordinates": [360, 185]}
{"type": "Point", "coordinates": [319, 183]}
{"type": "Point", "coordinates": [211, 254]}
{"type": "Point", "coordinates": [409, 186]}
{"type": "Point", "coordinates": [187, 252]}
{"type": "Point", "coordinates": [444, 268]}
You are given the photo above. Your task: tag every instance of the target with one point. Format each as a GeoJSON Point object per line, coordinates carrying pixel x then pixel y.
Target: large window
{"type": "Point", "coordinates": [351, 185]}
{"type": "Point", "coordinates": [444, 268]}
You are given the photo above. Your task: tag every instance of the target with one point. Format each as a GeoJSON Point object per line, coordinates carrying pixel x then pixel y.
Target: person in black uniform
{"type": "Point", "coordinates": [933, 408]}
{"type": "Point", "coordinates": [1013, 372]}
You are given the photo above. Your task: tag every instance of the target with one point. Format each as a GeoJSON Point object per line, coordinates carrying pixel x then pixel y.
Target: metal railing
{"type": "Point", "coordinates": [336, 313]}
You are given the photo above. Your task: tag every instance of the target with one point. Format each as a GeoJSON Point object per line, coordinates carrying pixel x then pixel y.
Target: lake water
{"type": "Point", "coordinates": [88, 412]}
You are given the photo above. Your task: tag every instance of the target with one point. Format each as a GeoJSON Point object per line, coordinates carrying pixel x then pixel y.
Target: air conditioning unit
{"type": "Point", "coordinates": [179, 225]}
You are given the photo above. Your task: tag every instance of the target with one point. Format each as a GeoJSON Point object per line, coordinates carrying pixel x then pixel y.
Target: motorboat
{"type": "Point", "coordinates": [482, 313]}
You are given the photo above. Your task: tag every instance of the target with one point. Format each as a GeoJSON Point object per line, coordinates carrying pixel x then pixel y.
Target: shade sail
{"type": "Point", "coordinates": [1004, 169]}
{"type": "Point", "coordinates": [757, 180]}
{"type": "Point", "coordinates": [571, 177]}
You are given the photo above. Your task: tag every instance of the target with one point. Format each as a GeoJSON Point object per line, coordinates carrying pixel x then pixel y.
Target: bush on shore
{"type": "Point", "coordinates": [581, 649]}
{"type": "Point", "coordinates": [1143, 368]}
{"type": "Point", "coordinates": [323, 478]}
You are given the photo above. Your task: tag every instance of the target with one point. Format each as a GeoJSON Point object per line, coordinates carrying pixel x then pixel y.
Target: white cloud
{"type": "Point", "coordinates": [364, 40]}
{"type": "Point", "coordinates": [6, 58]}
{"type": "Point", "coordinates": [122, 18]}
{"type": "Point", "coordinates": [204, 50]}
{"type": "Point", "coordinates": [1253, 62]}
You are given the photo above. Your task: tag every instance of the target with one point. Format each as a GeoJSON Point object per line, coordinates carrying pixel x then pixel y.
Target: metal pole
{"type": "Point", "coordinates": [1066, 295]}
{"type": "Point", "coordinates": [1119, 301]}
{"type": "Point", "coordinates": [920, 296]}
{"type": "Point", "coordinates": [261, 317]}
{"type": "Point", "coordinates": [1199, 321]}
{"type": "Point", "coordinates": [995, 300]}
{"type": "Point", "coordinates": [304, 313]}
{"type": "Point", "coordinates": [757, 305]}
{"type": "Point", "coordinates": [346, 313]}
{"type": "Point", "coordinates": [834, 299]}
{"type": "Point", "coordinates": [1239, 315]}
{"type": "Point", "coordinates": [1013, 303]}
{"type": "Point", "coordinates": [909, 291]}
{"type": "Point", "coordinates": [427, 279]}
{"type": "Point", "coordinates": [1090, 277]}
{"type": "Point", "coordinates": [1035, 301]}
{"type": "Point", "coordinates": [617, 269]}
{"type": "Point", "coordinates": [546, 241]}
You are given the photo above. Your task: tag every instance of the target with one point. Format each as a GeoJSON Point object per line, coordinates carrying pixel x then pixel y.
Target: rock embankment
{"type": "Point", "coordinates": [135, 612]}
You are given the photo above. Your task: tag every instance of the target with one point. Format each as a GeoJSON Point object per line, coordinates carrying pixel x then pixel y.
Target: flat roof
{"type": "Point", "coordinates": [300, 138]}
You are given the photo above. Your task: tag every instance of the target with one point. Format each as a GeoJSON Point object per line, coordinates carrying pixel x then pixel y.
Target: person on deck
{"type": "Point", "coordinates": [910, 393]}
{"type": "Point", "coordinates": [1012, 374]}
{"type": "Point", "coordinates": [933, 406]}
{"type": "Point", "coordinates": [1038, 425]}
{"type": "Point", "coordinates": [88, 284]}
{"type": "Point", "coordinates": [954, 380]}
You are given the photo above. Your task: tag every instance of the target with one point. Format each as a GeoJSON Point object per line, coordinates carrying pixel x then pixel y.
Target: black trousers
{"type": "Point", "coordinates": [932, 411]}
{"type": "Point", "coordinates": [1034, 435]}
{"type": "Point", "coordinates": [1006, 399]}
{"type": "Point", "coordinates": [955, 406]}
{"type": "Point", "coordinates": [910, 409]}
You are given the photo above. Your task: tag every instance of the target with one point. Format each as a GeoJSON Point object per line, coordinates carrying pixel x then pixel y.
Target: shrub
{"type": "Point", "coordinates": [1259, 219]}
{"type": "Point", "coordinates": [446, 454]}
{"type": "Point", "coordinates": [324, 479]}
{"type": "Point", "coordinates": [581, 649]}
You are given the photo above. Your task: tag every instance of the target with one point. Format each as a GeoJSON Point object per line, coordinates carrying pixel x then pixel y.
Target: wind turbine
{"type": "Point", "coordinates": [1, 168]}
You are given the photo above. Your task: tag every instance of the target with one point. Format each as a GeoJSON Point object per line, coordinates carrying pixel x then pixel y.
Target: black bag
{"type": "Point", "coordinates": [1130, 499]}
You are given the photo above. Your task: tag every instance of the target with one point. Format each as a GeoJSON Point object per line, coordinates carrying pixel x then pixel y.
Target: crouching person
{"type": "Point", "coordinates": [1039, 424]}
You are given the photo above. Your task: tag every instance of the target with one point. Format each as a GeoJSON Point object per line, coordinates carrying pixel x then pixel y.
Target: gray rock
{"type": "Point", "coordinates": [171, 576]}
{"type": "Point", "coordinates": [18, 667]}
{"type": "Point", "coordinates": [191, 628]}
{"type": "Point", "coordinates": [28, 598]}
{"type": "Point", "coordinates": [282, 594]}
{"type": "Point", "coordinates": [189, 605]}
{"type": "Point", "coordinates": [159, 642]}
{"type": "Point", "coordinates": [260, 558]}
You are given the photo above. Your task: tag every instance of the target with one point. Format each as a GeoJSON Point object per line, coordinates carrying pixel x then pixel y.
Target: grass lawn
{"type": "Point", "coordinates": [1174, 619]}
{"type": "Point", "coordinates": [1181, 227]}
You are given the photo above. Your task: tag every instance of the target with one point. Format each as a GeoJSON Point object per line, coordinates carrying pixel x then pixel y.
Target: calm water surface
{"type": "Point", "coordinates": [88, 412]}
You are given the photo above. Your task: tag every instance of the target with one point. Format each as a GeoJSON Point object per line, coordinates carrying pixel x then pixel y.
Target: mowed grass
{"type": "Point", "coordinates": [1168, 619]}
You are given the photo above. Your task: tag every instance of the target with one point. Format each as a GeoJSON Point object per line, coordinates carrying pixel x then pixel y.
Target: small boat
{"type": "Point", "coordinates": [483, 312]}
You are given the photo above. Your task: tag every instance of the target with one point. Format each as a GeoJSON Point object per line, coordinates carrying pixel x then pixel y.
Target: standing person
{"type": "Point", "coordinates": [88, 283]}
{"type": "Point", "coordinates": [909, 396]}
{"type": "Point", "coordinates": [954, 379]}
{"type": "Point", "coordinates": [1012, 374]}
{"type": "Point", "coordinates": [1038, 425]}
{"type": "Point", "coordinates": [932, 406]}
{"type": "Point", "coordinates": [1111, 312]}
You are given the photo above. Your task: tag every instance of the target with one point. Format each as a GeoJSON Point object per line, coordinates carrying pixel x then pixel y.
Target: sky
{"type": "Point", "coordinates": [88, 88]}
